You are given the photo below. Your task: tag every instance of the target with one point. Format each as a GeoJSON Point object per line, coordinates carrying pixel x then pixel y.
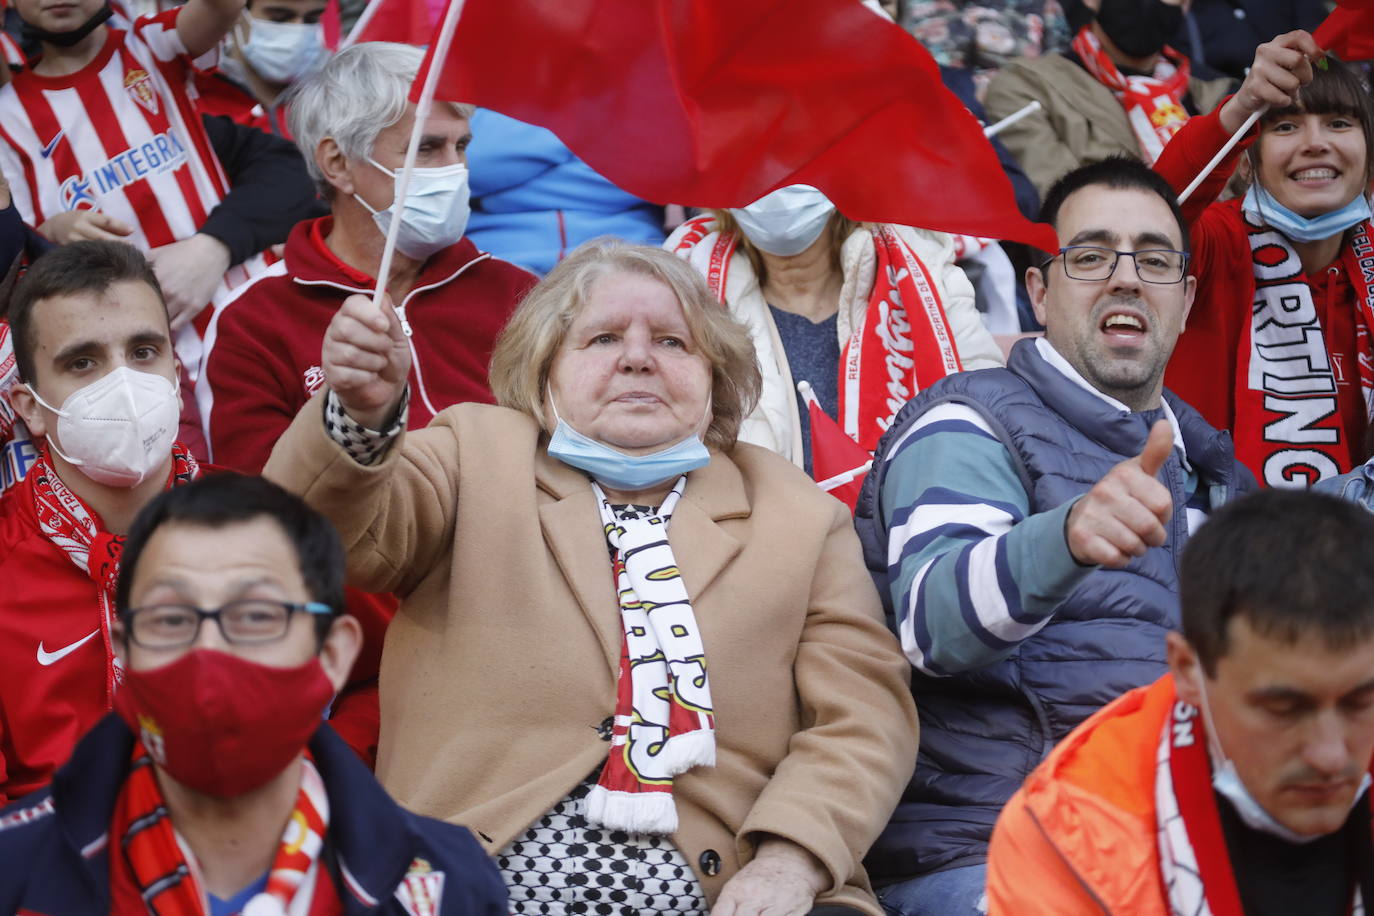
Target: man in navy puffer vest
{"type": "Point", "coordinates": [1024, 526]}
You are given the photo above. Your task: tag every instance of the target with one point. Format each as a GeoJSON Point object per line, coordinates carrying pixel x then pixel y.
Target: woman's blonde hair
{"type": "Point", "coordinates": [524, 353]}
{"type": "Point", "coordinates": [840, 228]}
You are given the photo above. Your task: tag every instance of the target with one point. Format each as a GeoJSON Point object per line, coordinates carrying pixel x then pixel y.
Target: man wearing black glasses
{"type": "Point", "coordinates": [214, 787]}
{"type": "Point", "coordinates": [1023, 526]}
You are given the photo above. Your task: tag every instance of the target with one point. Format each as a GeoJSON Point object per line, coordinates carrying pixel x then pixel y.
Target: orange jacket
{"type": "Point", "coordinates": [1080, 835]}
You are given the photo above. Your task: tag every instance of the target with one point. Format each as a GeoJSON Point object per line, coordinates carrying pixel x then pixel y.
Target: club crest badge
{"type": "Point", "coordinates": [140, 88]}
{"type": "Point", "coordinates": [151, 734]}
{"type": "Point", "coordinates": [422, 890]}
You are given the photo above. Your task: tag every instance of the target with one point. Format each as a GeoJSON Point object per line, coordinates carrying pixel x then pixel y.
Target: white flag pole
{"type": "Point", "coordinates": [442, 41]}
{"type": "Point", "coordinates": [1024, 111]}
{"type": "Point", "coordinates": [840, 480]}
{"type": "Point", "coordinates": [1221, 154]}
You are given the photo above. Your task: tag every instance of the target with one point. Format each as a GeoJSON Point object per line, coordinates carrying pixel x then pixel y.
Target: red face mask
{"type": "Point", "coordinates": [220, 724]}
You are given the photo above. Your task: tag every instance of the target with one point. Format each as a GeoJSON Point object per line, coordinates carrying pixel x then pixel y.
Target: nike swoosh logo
{"type": "Point", "coordinates": [48, 658]}
{"type": "Point", "coordinates": [52, 145]}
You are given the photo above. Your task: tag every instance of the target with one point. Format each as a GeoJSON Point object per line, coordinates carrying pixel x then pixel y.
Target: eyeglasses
{"type": "Point", "coordinates": [1153, 265]}
{"type": "Point", "coordinates": [251, 621]}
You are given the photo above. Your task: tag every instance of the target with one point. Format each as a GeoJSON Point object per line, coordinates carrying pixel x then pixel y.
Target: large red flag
{"type": "Point", "coordinates": [410, 22]}
{"type": "Point", "coordinates": [1349, 30]}
{"type": "Point", "coordinates": [714, 103]}
{"type": "Point", "coordinates": [331, 24]}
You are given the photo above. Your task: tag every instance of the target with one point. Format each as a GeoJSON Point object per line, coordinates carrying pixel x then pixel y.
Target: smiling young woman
{"type": "Point", "coordinates": [1283, 360]}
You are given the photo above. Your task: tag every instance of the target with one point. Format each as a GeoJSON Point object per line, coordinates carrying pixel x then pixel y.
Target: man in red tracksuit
{"type": "Point", "coordinates": [93, 347]}
{"type": "Point", "coordinates": [264, 346]}
{"type": "Point", "coordinates": [98, 391]}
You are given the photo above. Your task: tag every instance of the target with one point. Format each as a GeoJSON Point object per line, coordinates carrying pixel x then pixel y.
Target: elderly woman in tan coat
{"type": "Point", "coordinates": [644, 663]}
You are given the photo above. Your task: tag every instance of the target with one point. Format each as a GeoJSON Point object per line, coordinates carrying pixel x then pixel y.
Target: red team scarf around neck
{"type": "Point", "coordinates": [152, 871]}
{"type": "Point", "coordinates": [904, 345]}
{"type": "Point", "coordinates": [1153, 104]}
{"type": "Point", "coordinates": [70, 524]}
{"type": "Point", "coordinates": [1288, 422]}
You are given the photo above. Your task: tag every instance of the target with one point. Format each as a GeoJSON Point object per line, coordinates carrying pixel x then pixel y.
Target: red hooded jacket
{"type": "Point", "coordinates": [263, 347]}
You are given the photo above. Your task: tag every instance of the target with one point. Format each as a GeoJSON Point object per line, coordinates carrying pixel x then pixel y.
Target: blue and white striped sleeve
{"type": "Point", "coordinates": [971, 573]}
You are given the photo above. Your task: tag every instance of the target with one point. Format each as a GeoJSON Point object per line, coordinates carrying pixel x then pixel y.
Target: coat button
{"type": "Point", "coordinates": [710, 863]}
{"type": "Point", "coordinates": [606, 728]}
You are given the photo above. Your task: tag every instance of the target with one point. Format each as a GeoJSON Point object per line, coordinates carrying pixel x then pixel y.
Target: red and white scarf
{"type": "Point", "coordinates": [1154, 104]}
{"type": "Point", "coordinates": [71, 525]}
{"type": "Point", "coordinates": [9, 377]}
{"type": "Point", "coordinates": [1288, 424]}
{"type": "Point", "coordinates": [1194, 862]}
{"type": "Point", "coordinates": [664, 721]}
{"type": "Point", "coordinates": [152, 870]}
{"type": "Point", "coordinates": [903, 346]}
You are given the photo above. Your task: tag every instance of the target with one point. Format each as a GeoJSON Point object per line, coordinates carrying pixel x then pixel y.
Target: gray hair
{"type": "Point", "coordinates": [360, 92]}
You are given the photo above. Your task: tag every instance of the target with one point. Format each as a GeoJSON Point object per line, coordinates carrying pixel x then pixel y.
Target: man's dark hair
{"type": "Point", "coordinates": [1336, 89]}
{"type": "Point", "coordinates": [1290, 563]}
{"type": "Point", "coordinates": [71, 270]}
{"type": "Point", "coordinates": [1120, 173]}
{"type": "Point", "coordinates": [219, 500]}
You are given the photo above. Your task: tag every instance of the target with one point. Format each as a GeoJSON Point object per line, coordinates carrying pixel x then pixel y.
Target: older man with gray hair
{"type": "Point", "coordinates": [353, 120]}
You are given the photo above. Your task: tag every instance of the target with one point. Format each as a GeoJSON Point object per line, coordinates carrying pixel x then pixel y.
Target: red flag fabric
{"type": "Point", "coordinates": [714, 103]}
{"type": "Point", "coordinates": [835, 456]}
{"type": "Point", "coordinates": [1348, 31]}
{"type": "Point", "coordinates": [331, 24]}
{"type": "Point", "coordinates": [410, 22]}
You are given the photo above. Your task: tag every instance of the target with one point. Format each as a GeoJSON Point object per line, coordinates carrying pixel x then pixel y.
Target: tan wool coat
{"type": "Point", "coordinates": [1080, 121]}
{"type": "Point", "coordinates": [500, 666]}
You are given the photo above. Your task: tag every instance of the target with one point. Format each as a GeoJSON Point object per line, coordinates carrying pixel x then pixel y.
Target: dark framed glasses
{"type": "Point", "coordinates": [248, 621]}
{"type": "Point", "coordinates": [1152, 265]}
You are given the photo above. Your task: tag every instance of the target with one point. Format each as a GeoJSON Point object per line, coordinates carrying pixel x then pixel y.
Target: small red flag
{"type": "Point", "coordinates": [1348, 31]}
{"type": "Point", "coordinates": [714, 103]}
{"type": "Point", "coordinates": [838, 463]}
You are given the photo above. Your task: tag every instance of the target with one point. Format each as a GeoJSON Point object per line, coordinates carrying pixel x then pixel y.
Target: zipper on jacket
{"type": "Point", "coordinates": [401, 317]}
{"type": "Point", "coordinates": [405, 328]}
{"type": "Point", "coordinates": [1065, 859]}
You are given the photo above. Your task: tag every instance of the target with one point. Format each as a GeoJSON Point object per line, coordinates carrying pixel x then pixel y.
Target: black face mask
{"type": "Point", "coordinates": [32, 33]}
{"type": "Point", "coordinates": [1139, 27]}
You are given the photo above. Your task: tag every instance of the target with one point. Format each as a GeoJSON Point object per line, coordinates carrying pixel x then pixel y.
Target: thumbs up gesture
{"type": "Point", "coordinates": [366, 360]}
{"type": "Point", "coordinates": [1127, 511]}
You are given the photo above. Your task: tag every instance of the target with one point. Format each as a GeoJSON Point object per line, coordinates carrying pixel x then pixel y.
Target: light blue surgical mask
{"type": "Point", "coordinates": [613, 468]}
{"type": "Point", "coordinates": [1227, 782]}
{"type": "Point", "coordinates": [283, 52]}
{"type": "Point", "coordinates": [436, 210]}
{"type": "Point", "coordinates": [1264, 207]}
{"type": "Point", "coordinates": [787, 221]}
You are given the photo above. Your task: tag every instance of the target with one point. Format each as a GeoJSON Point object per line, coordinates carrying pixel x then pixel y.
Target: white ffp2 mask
{"type": "Point", "coordinates": [118, 429]}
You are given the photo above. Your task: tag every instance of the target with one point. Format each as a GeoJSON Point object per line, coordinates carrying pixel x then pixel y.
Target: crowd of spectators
{"type": "Point", "coordinates": [501, 582]}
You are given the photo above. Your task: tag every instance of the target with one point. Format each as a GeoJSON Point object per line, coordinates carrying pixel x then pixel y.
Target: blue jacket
{"type": "Point", "coordinates": [533, 201]}
{"type": "Point", "coordinates": [983, 731]}
{"type": "Point", "coordinates": [1356, 485]}
{"type": "Point", "coordinates": [54, 845]}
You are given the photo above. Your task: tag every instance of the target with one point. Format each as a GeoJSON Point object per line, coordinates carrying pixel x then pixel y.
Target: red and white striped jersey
{"type": "Point", "coordinates": [121, 135]}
